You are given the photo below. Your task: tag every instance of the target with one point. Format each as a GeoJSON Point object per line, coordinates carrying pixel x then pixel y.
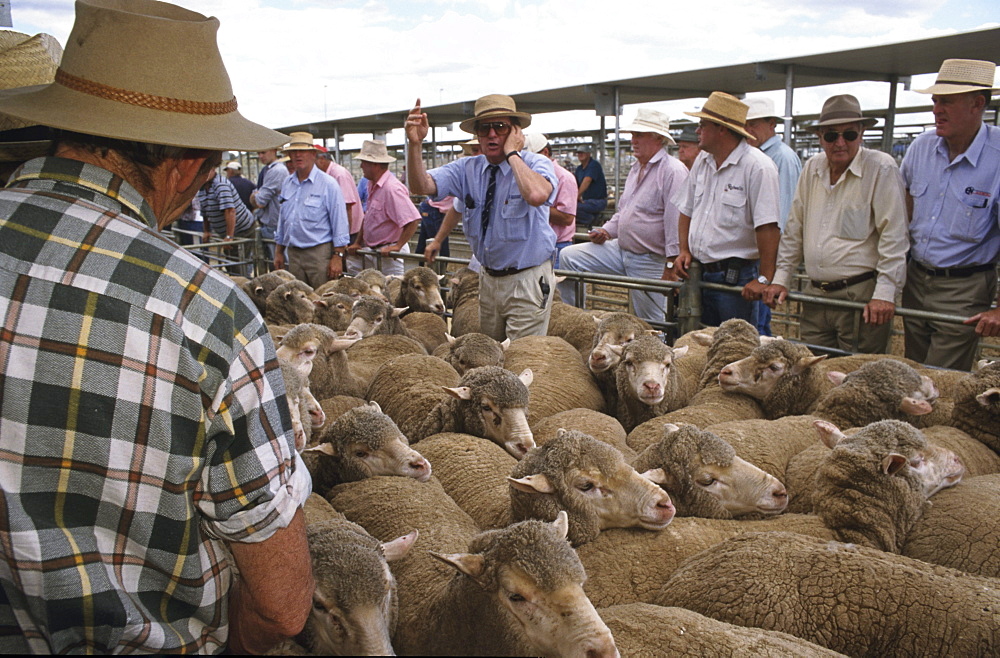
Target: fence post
{"type": "Point", "coordinates": [689, 301]}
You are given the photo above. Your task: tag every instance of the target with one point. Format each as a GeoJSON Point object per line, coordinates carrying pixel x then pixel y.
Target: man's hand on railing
{"type": "Point", "coordinates": [987, 323]}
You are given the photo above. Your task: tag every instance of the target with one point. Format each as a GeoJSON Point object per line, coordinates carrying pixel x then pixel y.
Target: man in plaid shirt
{"type": "Point", "coordinates": [143, 422]}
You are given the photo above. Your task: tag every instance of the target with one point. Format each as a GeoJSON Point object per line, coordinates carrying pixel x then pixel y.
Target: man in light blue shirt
{"type": "Point", "coordinates": [506, 192]}
{"type": "Point", "coordinates": [312, 225]}
{"type": "Point", "coordinates": [952, 177]}
{"type": "Point", "coordinates": [265, 198]}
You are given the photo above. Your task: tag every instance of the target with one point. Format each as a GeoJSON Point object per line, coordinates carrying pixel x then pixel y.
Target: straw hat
{"type": "Point", "coordinates": [145, 71]}
{"type": "Point", "coordinates": [535, 142]}
{"type": "Point", "coordinates": [372, 151]}
{"type": "Point", "coordinates": [761, 108]}
{"type": "Point", "coordinates": [725, 110]}
{"type": "Point", "coordinates": [467, 146]}
{"type": "Point", "coordinates": [300, 142]}
{"type": "Point", "coordinates": [651, 121]}
{"type": "Point", "coordinates": [957, 76]}
{"type": "Point", "coordinates": [24, 62]}
{"type": "Point", "coordinates": [843, 108]}
{"type": "Point", "coordinates": [494, 106]}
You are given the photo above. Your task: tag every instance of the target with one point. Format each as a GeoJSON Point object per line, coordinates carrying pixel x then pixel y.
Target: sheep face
{"type": "Point", "coordinates": [741, 487]}
{"type": "Point", "coordinates": [493, 404]}
{"type": "Point", "coordinates": [536, 581]}
{"type": "Point", "coordinates": [292, 303]}
{"type": "Point", "coordinates": [475, 351]}
{"type": "Point", "coordinates": [364, 442]}
{"type": "Point", "coordinates": [334, 310]}
{"type": "Point", "coordinates": [370, 316]}
{"type": "Point", "coordinates": [304, 342]}
{"type": "Point", "coordinates": [376, 281]}
{"type": "Point", "coordinates": [758, 374]}
{"type": "Point", "coordinates": [614, 331]}
{"type": "Point", "coordinates": [591, 481]}
{"type": "Point", "coordinates": [647, 365]}
{"type": "Point", "coordinates": [354, 603]}
{"type": "Point", "coordinates": [421, 291]}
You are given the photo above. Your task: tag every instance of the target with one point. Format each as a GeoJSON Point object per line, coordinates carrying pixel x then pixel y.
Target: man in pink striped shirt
{"type": "Point", "coordinates": [349, 189]}
{"type": "Point", "coordinates": [562, 212]}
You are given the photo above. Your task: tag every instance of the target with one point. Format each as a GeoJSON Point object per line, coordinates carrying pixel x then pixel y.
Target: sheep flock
{"type": "Point", "coordinates": [598, 493]}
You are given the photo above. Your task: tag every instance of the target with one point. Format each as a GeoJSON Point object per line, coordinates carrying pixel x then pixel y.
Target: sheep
{"type": "Point", "coordinates": [331, 372]}
{"type": "Point", "coordinates": [376, 280]}
{"type": "Point", "coordinates": [705, 477]}
{"type": "Point", "coordinates": [574, 325]}
{"type": "Point", "coordinates": [589, 479]}
{"type": "Point", "coordinates": [354, 603]}
{"type": "Point", "coordinates": [872, 487]}
{"type": "Point", "coordinates": [353, 287]}
{"type": "Point", "coordinates": [851, 599]}
{"type": "Point", "coordinates": [489, 402]}
{"type": "Point", "coordinates": [615, 330]}
{"type": "Point", "coordinates": [472, 350]}
{"type": "Point", "coordinates": [879, 390]}
{"type": "Point", "coordinates": [407, 386]}
{"type": "Point", "coordinates": [977, 405]}
{"type": "Point", "coordinates": [339, 404]}
{"type": "Point", "coordinates": [362, 443]}
{"type": "Point", "coordinates": [781, 375]}
{"type": "Point", "coordinates": [428, 329]}
{"type": "Point", "coordinates": [647, 384]}
{"type": "Point", "coordinates": [645, 630]}
{"type": "Point", "coordinates": [369, 354]}
{"type": "Point", "coordinates": [420, 291]}
{"type": "Point", "coordinates": [560, 380]}
{"type": "Point", "coordinates": [463, 298]}
{"type": "Point", "coordinates": [628, 565]}
{"type": "Point", "coordinates": [258, 288]}
{"type": "Point", "coordinates": [333, 310]}
{"type": "Point", "coordinates": [733, 340]}
{"type": "Point", "coordinates": [372, 316]}
{"type": "Point", "coordinates": [479, 609]}
{"type": "Point", "coordinates": [600, 426]}
{"type": "Point", "coordinates": [290, 303]}
{"type": "Point", "coordinates": [306, 413]}
{"type": "Point", "coordinates": [709, 407]}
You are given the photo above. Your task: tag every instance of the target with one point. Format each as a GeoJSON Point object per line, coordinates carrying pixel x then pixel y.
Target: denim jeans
{"type": "Point", "coordinates": [588, 210]}
{"type": "Point", "coordinates": [718, 306]}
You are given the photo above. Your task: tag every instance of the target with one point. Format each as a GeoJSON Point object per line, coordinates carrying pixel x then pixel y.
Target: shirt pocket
{"type": "Point", "coordinates": [854, 223]}
{"type": "Point", "coordinates": [970, 221]}
{"type": "Point", "coordinates": [514, 219]}
{"type": "Point", "coordinates": [732, 209]}
{"type": "Point", "coordinates": [313, 212]}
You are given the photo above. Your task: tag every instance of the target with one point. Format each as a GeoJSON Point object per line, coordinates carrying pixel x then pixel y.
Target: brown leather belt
{"type": "Point", "coordinates": [723, 265]}
{"type": "Point", "coordinates": [955, 271]}
{"type": "Point", "coordinates": [840, 284]}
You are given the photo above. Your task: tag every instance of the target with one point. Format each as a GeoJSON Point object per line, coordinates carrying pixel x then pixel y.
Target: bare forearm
{"type": "Point", "coordinates": [272, 599]}
{"type": "Point", "coordinates": [534, 188]}
{"type": "Point", "coordinates": [559, 218]}
{"type": "Point", "coordinates": [448, 224]}
{"type": "Point", "coordinates": [230, 222]}
{"type": "Point", "coordinates": [683, 225]}
{"type": "Point", "coordinates": [584, 185]}
{"type": "Point", "coordinates": [768, 237]}
{"type": "Point", "coordinates": [407, 233]}
{"type": "Point", "coordinates": [419, 180]}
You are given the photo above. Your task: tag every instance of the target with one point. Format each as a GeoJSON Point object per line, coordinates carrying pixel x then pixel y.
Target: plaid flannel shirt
{"type": "Point", "coordinates": [142, 420]}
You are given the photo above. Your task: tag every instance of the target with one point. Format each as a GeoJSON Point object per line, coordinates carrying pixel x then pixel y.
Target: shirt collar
{"type": "Point", "coordinates": [96, 179]}
{"type": "Point", "coordinates": [772, 141]}
{"type": "Point", "coordinates": [734, 157]}
{"type": "Point", "coordinates": [382, 179]}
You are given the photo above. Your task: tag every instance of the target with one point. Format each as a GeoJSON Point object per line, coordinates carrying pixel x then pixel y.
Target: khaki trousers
{"type": "Point", "coordinates": [310, 264]}
{"type": "Point", "coordinates": [513, 306]}
{"type": "Point", "coordinates": [838, 327]}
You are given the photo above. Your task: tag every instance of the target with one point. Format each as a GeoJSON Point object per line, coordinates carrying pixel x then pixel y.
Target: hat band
{"type": "Point", "coordinates": [143, 100]}
{"type": "Point", "coordinates": [963, 82]}
{"type": "Point", "coordinates": [723, 117]}
{"type": "Point", "coordinates": [850, 115]}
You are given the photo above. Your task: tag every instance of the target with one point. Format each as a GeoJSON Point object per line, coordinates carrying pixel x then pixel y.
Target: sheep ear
{"type": "Point", "coordinates": [656, 475]}
{"type": "Point", "coordinates": [892, 463]}
{"type": "Point", "coordinates": [670, 428]}
{"type": "Point", "coordinates": [259, 289]}
{"type": "Point", "coordinates": [396, 312]}
{"type": "Point", "coordinates": [526, 376]}
{"type": "Point", "coordinates": [451, 339]}
{"type": "Point", "coordinates": [836, 377]}
{"type": "Point", "coordinates": [652, 332]}
{"type": "Point", "coordinates": [374, 405]}
{"type": "Point", "coordinates": [989, 396]}
{"type": "Point", "coordinates": [532, 484]}
{"type": "Point", "coordinates": [288, 293]}
{"type": "Point", "coordinates": [561, 524]}
{"type": "Point", "coordinates": [323, 448]}
{"type": "Point", "coordinates": [982, 363]}
{"type": "Point", "coordinates": [471, 564]}
{"type": "Point", "coordinates": [678, 352]}
{"type": "Point", "coordinates": [597, 321]}
{"type": "Point", "coordinates": [616, 349]}
{"type": "Point", "coordinates": [829, 433]}
{"type": "Point", "coordinates": [806, 362]}
{"type": "Point", "coordinates": [702, 338]}
{"type": "Point", "coordinates": [915, 407]}
{"type": "Point", "coordinates": [399, 547]}
{"type": "Point", "coordinates": [454, 281]}
{"type": "Point", "coordinates": [459, 392]}
{"type": "Point", "coordinates": [560, 279]}
{"type": "Point", "coordinates": [320, 303]}
{"type": "Point", "coordinates": [505, 344]}
{"type": "Point", "coordinates": [764, 340]}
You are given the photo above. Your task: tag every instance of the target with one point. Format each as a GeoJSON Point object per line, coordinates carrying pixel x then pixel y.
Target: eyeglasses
{"type": "Point", "coordinates": [499, 127]}
{"type": "Point", "coordinates": [831, 136]}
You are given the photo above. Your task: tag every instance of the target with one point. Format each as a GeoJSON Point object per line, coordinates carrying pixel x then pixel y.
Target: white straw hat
{"type": "Point", "coordinates": [374, 151]}
{"type": "Point", "coordinates": [650, 121]}
{"type": "Point", "coordinates": [958, 76]}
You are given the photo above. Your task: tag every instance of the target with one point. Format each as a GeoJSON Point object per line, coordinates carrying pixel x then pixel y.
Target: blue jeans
{"type": "Point", "coordinates": [763, 319]}
{"type": "Point", "coordinates": [718, 306]}
{"type": "Point", "coordinates": [588, 210]}
{"type": "Point", "coordinates": [559, 247]}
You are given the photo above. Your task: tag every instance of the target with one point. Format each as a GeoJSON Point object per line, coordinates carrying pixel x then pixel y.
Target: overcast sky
{"type": "Point", "coordinates": [296, 61]}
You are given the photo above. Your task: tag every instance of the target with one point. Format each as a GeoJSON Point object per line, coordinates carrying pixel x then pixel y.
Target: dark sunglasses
{"type": "Point", "coordinates": [831, 136]}
{"type": "Point", "coordinates": [500, 128]}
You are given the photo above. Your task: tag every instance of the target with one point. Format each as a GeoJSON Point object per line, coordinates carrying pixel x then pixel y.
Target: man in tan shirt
{"type": "Point", "coordinates": [848, 221]}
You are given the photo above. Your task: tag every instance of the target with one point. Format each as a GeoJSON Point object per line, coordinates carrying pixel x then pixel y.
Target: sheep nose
{"type": "Point", "coordinates": [439, 308]}
{"type": "Point", "coordinates": [353, 334]}
{"type": "Point", "coordinates": [652, 387]}
{"type": "Point", "coordinates": [419, 464]}
{"type": "Point", "coordinates": [779, 493]}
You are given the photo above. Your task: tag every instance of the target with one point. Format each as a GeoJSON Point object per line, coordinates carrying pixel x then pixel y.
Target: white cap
{"type": "Point", "coordinates": [535, 142]}
{"type": "Point", "coordinates": [233, 165]}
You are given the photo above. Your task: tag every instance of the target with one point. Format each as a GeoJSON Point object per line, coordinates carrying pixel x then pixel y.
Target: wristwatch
{"type": "Point", "coordinates": [762, 280]}
{"type": "Point", "coordinates": [670, 264]}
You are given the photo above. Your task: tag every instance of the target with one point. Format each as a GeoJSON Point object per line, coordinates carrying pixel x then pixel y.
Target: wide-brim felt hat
{"type": "Point", "coordinates": [494, 106]}
{"type": "Point", "coordinates": [144, 71]}
{"type": "Point", "coordinates": [725, 110]}
{"type": "Point", "coordinates": [650, 121]}
{"type": "Point", "coordinates": [374, 151]}
{"type": "Point", "coordinates": [300, 142]}
{"type": "Point", "coordinates": [688, 134]}
{"type": "Point", "coordinates": [959, 76]}
{"type": "Point", "coordinates": [842, 108]}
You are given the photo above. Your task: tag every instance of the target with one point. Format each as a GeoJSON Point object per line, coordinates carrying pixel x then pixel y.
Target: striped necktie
{"type": "Point", "coordinates": [491, 189]}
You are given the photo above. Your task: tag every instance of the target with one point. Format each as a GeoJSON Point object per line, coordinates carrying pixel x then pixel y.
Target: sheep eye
{"type": "Point", "coordinates": [378, 318]}
{"type": "Point", "coordinates": [516, 598]}
{"type": "Point", "coordinates": [486, 408]}
{"type": "Point", "coordinates": [309, 352]}
{"type": "Point", "coordinates": [775, 367]}
{"type": "Point", "coordinates": [318, 607]}
{"type": "Point", "coordinates": [586, 486]}
{"type": "Point", "coordinates": [706, 481]}
{"type": "Point", "coordinates": [360, 454]}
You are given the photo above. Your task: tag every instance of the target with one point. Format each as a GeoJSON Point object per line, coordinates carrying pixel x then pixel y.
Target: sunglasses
{"type": "Point", "coordinates": [500, 128]}
{"type": "Point", "coordinates": [831, 136]}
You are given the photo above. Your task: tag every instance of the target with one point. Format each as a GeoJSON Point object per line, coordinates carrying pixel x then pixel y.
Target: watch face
{"type": "Point", "coordinates": [763, 280]}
